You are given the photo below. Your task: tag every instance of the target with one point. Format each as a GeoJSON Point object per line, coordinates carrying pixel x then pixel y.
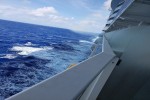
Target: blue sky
{"type": "Point", "coordinates": [80, 15]}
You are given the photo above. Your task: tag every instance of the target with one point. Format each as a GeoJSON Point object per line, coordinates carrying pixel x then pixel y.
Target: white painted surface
{"type": "Point", "coordinates": [97, 84]}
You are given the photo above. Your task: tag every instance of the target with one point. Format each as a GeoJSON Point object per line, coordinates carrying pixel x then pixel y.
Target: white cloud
{"type": "Point", "coordinates": [49, 16]}
{"type": "Point", "coordinates": [43, 11]}
{"type": "Point", "coordinates": [107, 4]}
{"type": "Point", "coordinates": [92, 23]}
{"type": "Point", "coordinates": [4, 8]}
{"type": "Point", "coordinates": [45, 15]}
{"type": "Point", "coordinates": [9, 11]}
{"type": "Point", "coordinates": [60, 19]}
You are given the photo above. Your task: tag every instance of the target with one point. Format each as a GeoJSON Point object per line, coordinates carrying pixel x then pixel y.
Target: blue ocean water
{"type": "Point", "coordinates": [31, 53]}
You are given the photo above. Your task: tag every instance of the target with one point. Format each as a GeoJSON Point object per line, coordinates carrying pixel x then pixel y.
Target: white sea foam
{"type": "Point", "coordinates": [24, 50]}
{"type": "Point", "coordinates": [94, 39]}
{"type": "Point", "coordinates": [84, 41]}
{"type": "Point", "coordinates": [28, 44]}
{"type": "Point", "coordinates": [9, 56]}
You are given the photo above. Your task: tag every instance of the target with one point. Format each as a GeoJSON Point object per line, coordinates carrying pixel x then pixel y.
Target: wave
{"type": "Point", "coordinates": [94, 39]}
{"type": "Point", "coordinates": [38, 55]}
{"type": "Point", "coordinates": [84, 41]}
{"type": "Point", "coordinates": [24, 50]}
{"type": "Point", "coordinates": [29, 44]}
{"type": "Point", "coordinates": [9, 56]}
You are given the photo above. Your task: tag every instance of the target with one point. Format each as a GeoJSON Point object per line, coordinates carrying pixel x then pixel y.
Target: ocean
{"type": "Point", "coordinates": [31, 53]}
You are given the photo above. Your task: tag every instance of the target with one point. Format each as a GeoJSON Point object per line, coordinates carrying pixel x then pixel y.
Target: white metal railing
{"type": "Point", "coordinates": [96, 85]}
